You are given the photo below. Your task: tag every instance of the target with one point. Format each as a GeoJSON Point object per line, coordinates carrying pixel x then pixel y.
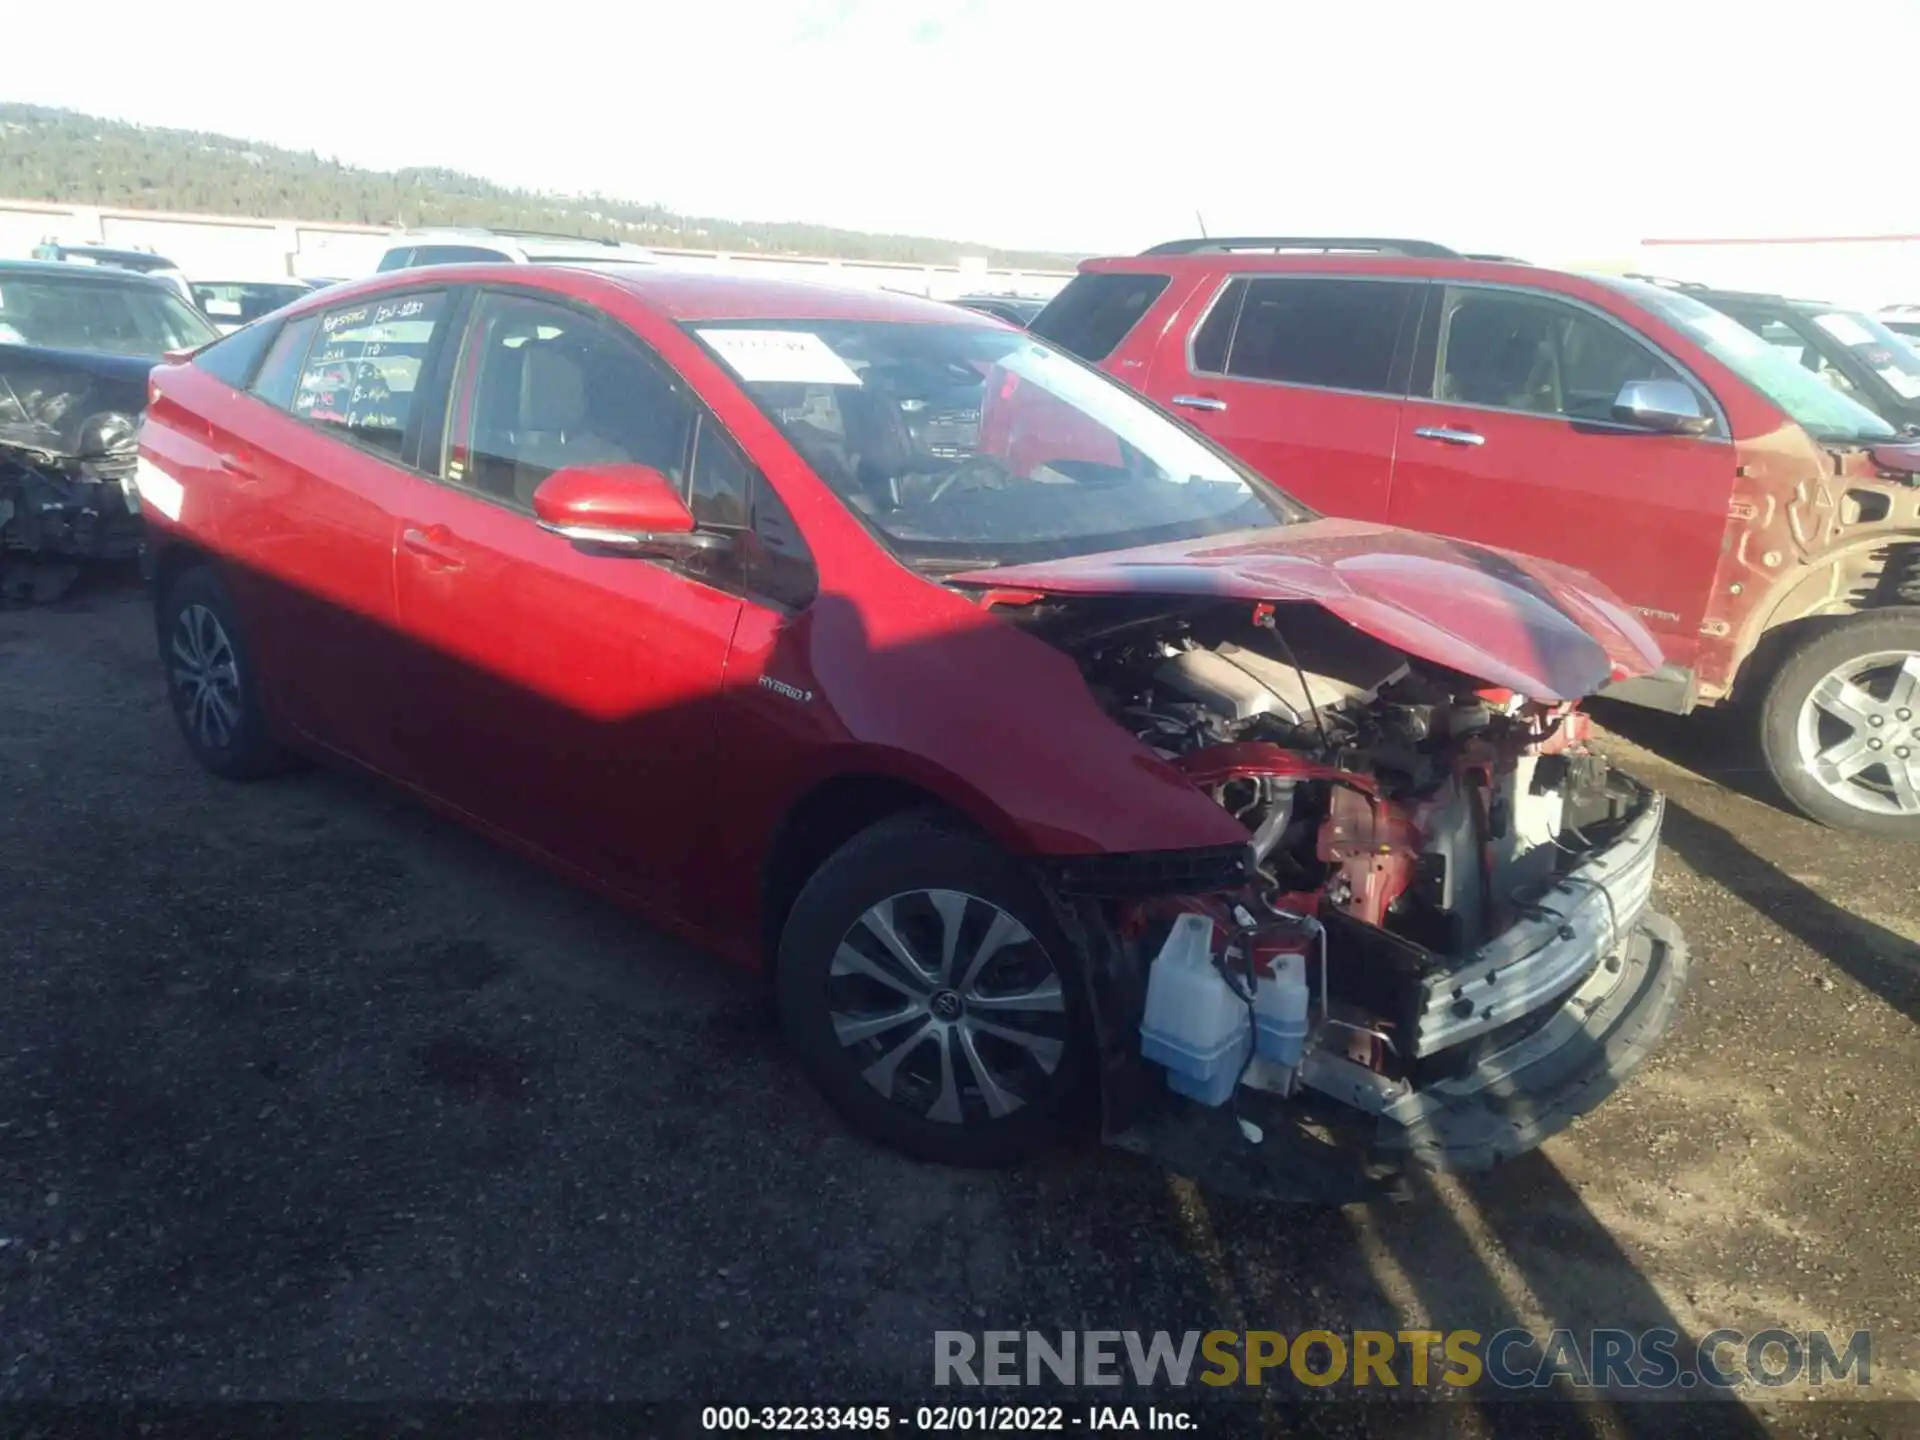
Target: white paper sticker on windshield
{"type": "Point", "coordinates": [222, 307]}
{"type": "Point", "coordinates": [1845, 328]}
{"type": "Point", "coordinates": [779, 357]}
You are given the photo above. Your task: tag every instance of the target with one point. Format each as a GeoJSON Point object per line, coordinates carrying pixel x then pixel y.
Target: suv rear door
{"type": "Point", "coordinates": [1301, 376]}
{"type": "Point", "coordinates": [1508, 439]}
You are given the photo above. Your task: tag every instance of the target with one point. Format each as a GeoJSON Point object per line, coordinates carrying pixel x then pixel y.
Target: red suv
{"type": "Point", "coordinates": [1764, 525]}
{"type": "Point", "coordinates": [651, 576]}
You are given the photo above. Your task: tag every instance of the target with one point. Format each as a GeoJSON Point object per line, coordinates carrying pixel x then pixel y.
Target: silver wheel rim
{"type": "Point", "coordinates": [1859, 733]}
{"type": "Point", "coordinates": [948, 1005]}
{"type": "Point", "coordinates": [206, 677]}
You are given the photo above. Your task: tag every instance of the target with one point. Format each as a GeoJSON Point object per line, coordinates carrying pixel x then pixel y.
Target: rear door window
{"type": "Point", "coordinates": [1095, 312]}
{"type": "Point", "coordinates": [1337, 334]}
{"type": "Point", "coordinates": [363, 369]}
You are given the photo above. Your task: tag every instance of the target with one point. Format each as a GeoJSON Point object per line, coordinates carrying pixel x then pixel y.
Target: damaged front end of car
{"type": "Point", "coordinates": [1437, 945]}
{"type": "Point", "coordinates": [68, 445]}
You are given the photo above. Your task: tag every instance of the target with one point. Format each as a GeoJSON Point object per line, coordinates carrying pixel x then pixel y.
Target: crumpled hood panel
{"type": "Point", "coordinates": [1543, 630]}
{"type": "Point", "coordinates": [46, 396]}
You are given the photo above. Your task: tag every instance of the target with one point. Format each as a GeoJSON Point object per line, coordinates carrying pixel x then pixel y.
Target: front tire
{"type": "Point", "coordinates": [211, 680]}
{"type": "Point", "coordinates": [1840, 724]}
{"type": "Point", "coordinates": [930, 993]}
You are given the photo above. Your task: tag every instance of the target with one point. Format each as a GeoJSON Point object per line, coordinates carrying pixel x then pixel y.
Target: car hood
{"type": "Point", "coordinates": [1542, 630]}
{"type": "Point", "coordinates": [127, 370]}
{"type": "Point", "coordinates": [47, 396]}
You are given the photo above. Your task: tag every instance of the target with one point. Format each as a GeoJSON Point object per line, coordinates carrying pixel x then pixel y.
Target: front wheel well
{"type": "Point", "coordinates": [820, 822]}
{"type": "Point", "coordinates": [1778, 644]}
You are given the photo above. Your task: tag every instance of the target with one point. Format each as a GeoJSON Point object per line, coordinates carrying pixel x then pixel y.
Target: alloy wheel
{"type": "Point", "coordinates": [206, 677]}
{"type": "Point", "coordinates": [1859, 733]}
{"type": "Point", "coordinates": [949, 1006]}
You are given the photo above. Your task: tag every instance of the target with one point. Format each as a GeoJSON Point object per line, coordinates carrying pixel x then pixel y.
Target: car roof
{"type": "Point", "coordinates": [1753, 297]}
{"type": "Point", "coordinates": [696, 295]}
{"type": "Point", "coordinates": [673, 294]}
{"type": "Point", "coordinates": [1235, 262]}
{"type": "Point", "coordinates": [82, 274]}
{"type": "Point", "coordinates": [118, 252]}
{"type": "Point", "coordinates": [528, 241]}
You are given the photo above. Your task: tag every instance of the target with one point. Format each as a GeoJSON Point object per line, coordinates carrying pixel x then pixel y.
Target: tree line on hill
{"type": "Point", "coordinates": [70, 158]}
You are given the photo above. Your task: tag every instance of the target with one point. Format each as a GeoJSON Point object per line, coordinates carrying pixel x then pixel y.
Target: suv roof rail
{"type": "Point", "coordinates": [1220, 244]}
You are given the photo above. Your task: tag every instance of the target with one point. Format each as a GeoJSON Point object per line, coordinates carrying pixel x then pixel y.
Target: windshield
{"type": "Point", "coordinates": [1811, 402]}
{"type": "Point", "coordinates": [242, 302]}
{"type": "Point", "coordinates": [1877, 347]}
{"type": "Point", "coordinates": [979, 446]}
{"type": "Point", "coordinates": [111, 317]}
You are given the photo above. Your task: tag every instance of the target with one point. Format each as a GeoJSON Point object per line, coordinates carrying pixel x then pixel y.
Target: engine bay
{"type": "Point", "coordinates": [1391, 791]}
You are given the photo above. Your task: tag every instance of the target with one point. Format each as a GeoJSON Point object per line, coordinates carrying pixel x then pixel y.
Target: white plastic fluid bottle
{"type": "Point", "coordinates": [1194, 1025]}
{"type": "Point", "coordinates": [1280, 1011]}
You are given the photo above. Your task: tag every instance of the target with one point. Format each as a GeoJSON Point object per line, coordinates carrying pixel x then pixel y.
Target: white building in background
{"type": "Point", "coordinates": [227, 248]}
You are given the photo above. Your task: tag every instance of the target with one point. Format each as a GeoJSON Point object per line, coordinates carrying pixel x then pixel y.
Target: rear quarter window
{"type": "Point", "coordinates": [235, 357]}
{"type": "Point", "coordinates": [1094, 313]}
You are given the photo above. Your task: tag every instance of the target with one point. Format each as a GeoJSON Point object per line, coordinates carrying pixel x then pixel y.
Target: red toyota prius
{"type": "Point", "coordinates": [1057, 765]}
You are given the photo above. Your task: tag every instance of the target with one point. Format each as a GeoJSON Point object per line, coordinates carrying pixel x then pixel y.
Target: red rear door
{"type": "Point", "coordinates": [1511, 442]}
{"type": "Point", "coordinates": [1300, 376]}
{"type": "Point", "coordinates": [562, 697]}
{"type": "Point", "coordinates": [312, 464]}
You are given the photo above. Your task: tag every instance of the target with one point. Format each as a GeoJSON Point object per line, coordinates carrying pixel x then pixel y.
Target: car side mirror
{"type": "Point", "coordinates": [1664, 405]}
{"type": "Point", "coordinates": [631, 509]}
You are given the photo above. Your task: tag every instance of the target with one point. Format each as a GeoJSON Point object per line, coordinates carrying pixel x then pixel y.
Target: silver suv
{"type": "Point", "coordinates": [519, 247]}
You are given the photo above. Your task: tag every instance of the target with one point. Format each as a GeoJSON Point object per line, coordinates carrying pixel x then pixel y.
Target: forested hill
{"type": "Point", "coordinates": [67, 157]}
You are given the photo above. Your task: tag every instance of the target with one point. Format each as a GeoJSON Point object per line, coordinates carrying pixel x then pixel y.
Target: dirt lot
{"type": "Point", "coordinates": [306, 1093]}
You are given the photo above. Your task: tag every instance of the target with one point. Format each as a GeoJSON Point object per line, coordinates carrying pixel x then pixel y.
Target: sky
{"type": "Point", "coordinates": [1560, 130]}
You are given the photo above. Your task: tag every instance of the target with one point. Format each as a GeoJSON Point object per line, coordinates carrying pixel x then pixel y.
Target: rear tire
{"type": "Point", "coordinates": [1840, 724]}
{"type": "Point", "coordinates": [211, 680]}
{"type": "Point", "coordinates": [930, 993]}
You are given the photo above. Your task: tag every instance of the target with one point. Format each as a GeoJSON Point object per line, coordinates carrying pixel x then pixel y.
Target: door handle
{"type": "Point", "coordinates": [1450, 437]}
{"type": "Point", "coordinates": [1200, 402]}
{"type": "Point", "coordinates": [434, 543]}
{"type": "Point", "coordinates": [239, 464]}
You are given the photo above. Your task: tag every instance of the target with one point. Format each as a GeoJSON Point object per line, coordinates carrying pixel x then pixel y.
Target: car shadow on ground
{"type": "Point", "coordinates": [1721, 745]}
{"type": "Point", "coordinates": [1884, 962]}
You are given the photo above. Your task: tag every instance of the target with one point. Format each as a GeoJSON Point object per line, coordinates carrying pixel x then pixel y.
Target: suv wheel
{"type": "Point", "coordinates": [211, 679]}
{"type": "Point", "coordinates": [1840, 724]}
{"type": "Point", "coordinates": [929, 992]}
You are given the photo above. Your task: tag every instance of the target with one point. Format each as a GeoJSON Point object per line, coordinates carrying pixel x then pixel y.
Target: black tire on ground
{"type": "Point", "coordinates": [900, 857]}
{"type": "Point", "coordinates": [1787, 691]}
{"type": "Point", "coordinates": [196, 616]}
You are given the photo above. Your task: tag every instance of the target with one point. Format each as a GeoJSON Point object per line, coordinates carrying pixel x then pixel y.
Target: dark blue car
{"type": "Point", "coordinates": [76, 344]}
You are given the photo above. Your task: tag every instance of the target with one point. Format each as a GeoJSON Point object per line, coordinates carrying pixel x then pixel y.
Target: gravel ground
{"type": "Point", "coordinates": [305, 1093]}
